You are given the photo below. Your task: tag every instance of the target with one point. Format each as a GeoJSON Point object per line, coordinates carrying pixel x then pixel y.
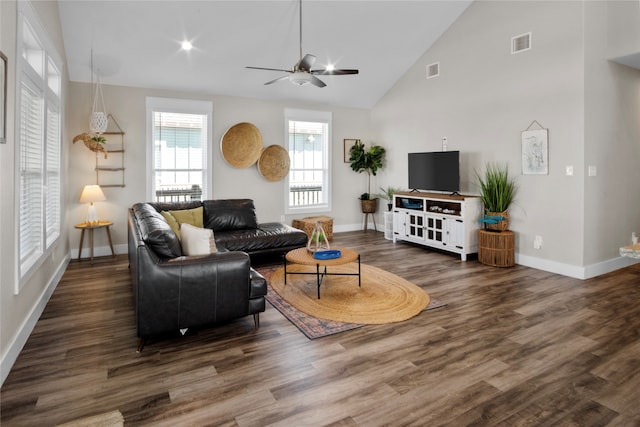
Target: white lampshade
{"type": "Point", "coordinates": [90, 194]}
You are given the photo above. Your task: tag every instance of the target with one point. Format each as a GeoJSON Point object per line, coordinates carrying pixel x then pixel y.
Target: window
{"type": "Point", "coordinates": [180, 140]}
{"type": "Point", "coordinates": [308, 141]}
{"type": "Point", "coordinates": [38, 134]}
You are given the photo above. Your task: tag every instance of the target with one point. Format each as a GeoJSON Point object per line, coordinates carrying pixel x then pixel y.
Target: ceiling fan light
{"type": "Point", "coordinates": [300, 78]}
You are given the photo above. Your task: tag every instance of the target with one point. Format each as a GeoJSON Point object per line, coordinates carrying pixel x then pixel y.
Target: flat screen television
{"type": "Point", "coordinates": [435, 171]}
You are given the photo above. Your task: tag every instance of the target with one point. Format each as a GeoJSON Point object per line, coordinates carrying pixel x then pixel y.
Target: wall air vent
{"type": "Point", "coordinates": [520, 43]}
{"type": "Point", "coordinates": [433, 70]}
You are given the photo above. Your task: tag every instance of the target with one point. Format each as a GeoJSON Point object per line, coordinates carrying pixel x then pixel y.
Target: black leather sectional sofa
{"type": "Point", "coordinates": [173, 292]}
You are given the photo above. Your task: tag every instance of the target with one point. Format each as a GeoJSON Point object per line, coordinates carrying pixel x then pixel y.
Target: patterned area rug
{"type": "Point", "coordinates": [313, 327]}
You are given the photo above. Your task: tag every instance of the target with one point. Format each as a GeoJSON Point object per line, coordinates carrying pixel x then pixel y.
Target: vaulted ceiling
{"type": "Point", "coordinates": [138, 44]}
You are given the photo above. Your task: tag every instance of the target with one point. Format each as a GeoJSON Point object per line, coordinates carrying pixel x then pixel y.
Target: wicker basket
{"type": "Point", "coordinates": [496, 248]}
{"type": "Point", "coordinates": [308, 224]}
{"type": "Point", "coordinates": [369, 206]}
{"type": "Point", "coordinates": [501, 225]}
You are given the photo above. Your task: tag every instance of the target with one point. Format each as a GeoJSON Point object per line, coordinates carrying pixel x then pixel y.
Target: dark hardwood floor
{"type": "Point", "coordinates": [513, 347]}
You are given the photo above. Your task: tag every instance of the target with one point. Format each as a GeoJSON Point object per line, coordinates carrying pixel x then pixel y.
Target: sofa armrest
{"type": "Point", "coordinates": [192, 291]}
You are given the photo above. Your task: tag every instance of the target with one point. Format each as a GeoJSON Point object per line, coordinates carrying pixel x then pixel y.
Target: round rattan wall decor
{"type": "Point", "coordinates": [241, 145]}
{"type": "Point", "coordinates": [274, 163]}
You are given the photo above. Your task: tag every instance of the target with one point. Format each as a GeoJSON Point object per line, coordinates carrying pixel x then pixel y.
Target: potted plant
{"type": "Point", "coordinates": [368, 161]}
{"type": "Point", "coordinates": [497, 191]}
{"type": "Point", "coordinates": [387, 194]}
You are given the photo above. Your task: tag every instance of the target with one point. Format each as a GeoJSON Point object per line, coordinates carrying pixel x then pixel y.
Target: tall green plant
{"type": "Point", "coordinates": [497, 189]}
{"type": "Point", "coordinates": [368, 161]}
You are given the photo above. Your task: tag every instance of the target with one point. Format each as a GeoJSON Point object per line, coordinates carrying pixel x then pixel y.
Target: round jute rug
{"type": "Point", "coordinates": [382, 298]}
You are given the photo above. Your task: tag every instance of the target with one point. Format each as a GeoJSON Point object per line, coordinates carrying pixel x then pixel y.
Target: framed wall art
{"type": "Point", "coordinates": [3, 98]}
{"type": "Point", "coordinates": [348, 143]}
{"type": "Point", "coordinates": [535, 151]}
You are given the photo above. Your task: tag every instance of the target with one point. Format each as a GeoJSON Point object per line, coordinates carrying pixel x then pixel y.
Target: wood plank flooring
{"type": "Point", "coordinates": [514, 346]}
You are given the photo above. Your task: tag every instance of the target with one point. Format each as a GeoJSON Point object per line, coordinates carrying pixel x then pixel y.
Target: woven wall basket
{"type": "Point", "coordinates": [274, 163]}
{"type": "Point", "coordinates": [501, 225]}
{"type": "Point", "coordinates": [241, 145]}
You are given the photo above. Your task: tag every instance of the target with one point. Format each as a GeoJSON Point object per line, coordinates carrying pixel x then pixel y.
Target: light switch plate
{"type": "Point", "coordinates": [569, 170]}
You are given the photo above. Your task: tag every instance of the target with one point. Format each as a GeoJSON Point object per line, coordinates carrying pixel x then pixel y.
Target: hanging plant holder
{"type": "Point", "coordinates": [98, 121]}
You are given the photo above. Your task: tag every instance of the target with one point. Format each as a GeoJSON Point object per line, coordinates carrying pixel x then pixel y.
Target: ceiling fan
{"type": "Point", "coordinates": [301, 73]}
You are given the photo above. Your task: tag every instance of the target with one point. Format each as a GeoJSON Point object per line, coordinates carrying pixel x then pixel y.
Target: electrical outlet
{"type": "Point", "coordinates": [282, 218]}
{"type": "Point", "coordinates": [444, 143]}
{"type": "Point", "coordinates": [569, 171]}
{"type": "Point", "coordinates": [593, 171]}
{"type": "Point", "coordinates": [537, 242]}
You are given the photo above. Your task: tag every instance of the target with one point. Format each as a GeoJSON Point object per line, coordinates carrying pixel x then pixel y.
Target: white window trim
{"type": "Point", "coordinates": [185, 106]}
{"type": "Point", "coordinates": [27, 16]}
{"type": "Point", "coordinates": [309, 115]}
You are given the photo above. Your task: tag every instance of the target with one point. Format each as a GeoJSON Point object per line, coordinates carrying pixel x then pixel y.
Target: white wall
{"type": "Point", "coordinates": [485, 97]}
{"type": "Point", "coordinates": [127, 105]}
{"type": "Point", "coordinates": [19, 313]}
{"type": "Point", "coordinates": [612, 136]}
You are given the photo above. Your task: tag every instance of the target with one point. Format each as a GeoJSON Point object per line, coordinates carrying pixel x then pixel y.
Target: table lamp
{"type": "Point", "coordinates": [90, 194]}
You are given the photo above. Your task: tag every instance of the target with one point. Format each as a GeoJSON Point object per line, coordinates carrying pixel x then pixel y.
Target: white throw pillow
{"type": "Point", "coordinates": [196, 240]}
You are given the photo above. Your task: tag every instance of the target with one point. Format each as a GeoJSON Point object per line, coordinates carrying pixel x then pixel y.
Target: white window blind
{"type": "Point", "coordinates": [53, 183]}
{"type": "Point", "coordinates": [31, 185]}
{"type": "Point", "coordinates": [39, 142]}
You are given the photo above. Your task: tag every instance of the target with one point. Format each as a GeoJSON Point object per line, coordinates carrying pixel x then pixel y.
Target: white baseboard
{"type": "Point", "coordinates": [578, 272]}
{"type": "Point", "coordinates": [356, 227]}
{"type": "Point", "coordinates": [100, 251]}
{"type": "Point", "coordinates": [20, 339]}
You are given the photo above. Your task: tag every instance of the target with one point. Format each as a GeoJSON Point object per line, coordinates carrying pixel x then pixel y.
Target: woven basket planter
{"type": "Point", "coordinates": [502, 225]}
{"type": "Point", "coordinates": [369, 206]}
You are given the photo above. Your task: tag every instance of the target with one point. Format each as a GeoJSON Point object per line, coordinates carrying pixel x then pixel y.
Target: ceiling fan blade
{"type": "Point", "coordinates": [316, 81]}
{"type": "Point", "coordinates": [342, 72]}
{"type": "Point", "coordinates": [277, 80]}
{"type": "Point", "coordinates": [305, 63]}
{"type": "Point", "coordinates": [269, 69]}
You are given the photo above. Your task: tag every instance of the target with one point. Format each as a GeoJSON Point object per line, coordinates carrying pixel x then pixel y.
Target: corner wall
{"type": "Point", "coordinates": [612, 131]}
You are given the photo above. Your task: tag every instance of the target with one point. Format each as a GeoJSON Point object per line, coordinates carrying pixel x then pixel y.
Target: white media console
{"type": "Point", "coordinates": [447, 222]}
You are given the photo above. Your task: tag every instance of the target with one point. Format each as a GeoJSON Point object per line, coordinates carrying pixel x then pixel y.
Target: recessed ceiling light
{"type": "Point", "coordinates": [330, 67]}
{"type": "Point", "coordinates": [186, 45]}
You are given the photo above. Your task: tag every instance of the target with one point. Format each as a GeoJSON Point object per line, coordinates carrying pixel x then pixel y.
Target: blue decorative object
{"type": "Point", "coordinates": [330, 254]}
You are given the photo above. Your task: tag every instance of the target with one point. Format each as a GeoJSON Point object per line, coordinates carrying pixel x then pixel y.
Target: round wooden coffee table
{"type": "Point", "coordinates": [303, 257]}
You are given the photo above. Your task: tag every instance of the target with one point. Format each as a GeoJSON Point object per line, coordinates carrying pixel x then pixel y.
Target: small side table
{"type": "Point", "coordinates": [496, 248]}
{"type": "Point", "coordinates": [85, 226]}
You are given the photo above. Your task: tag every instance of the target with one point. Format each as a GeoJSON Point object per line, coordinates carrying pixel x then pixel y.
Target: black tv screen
{"type": "Point", "coordinates": [435, 171]}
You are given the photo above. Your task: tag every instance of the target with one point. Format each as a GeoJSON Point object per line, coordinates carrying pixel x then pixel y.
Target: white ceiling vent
{"type": "Point", "coordinates": [433, 70]}
{"type": "Point", "coordinates": [520, 43]}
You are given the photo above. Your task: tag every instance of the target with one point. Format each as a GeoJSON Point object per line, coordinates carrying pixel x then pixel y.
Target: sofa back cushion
{"type": "Point", "coordinates": [156, 232]}
{"type": "Point", "coordinates": [184, 216]}
{"type": "Point", "coordinates": [231, 214]}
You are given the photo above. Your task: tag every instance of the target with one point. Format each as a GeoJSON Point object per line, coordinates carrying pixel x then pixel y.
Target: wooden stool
{"type": "Point", "coordinates": [496, 248]}
{"type": "Point", "coordinates": [366, 221]}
